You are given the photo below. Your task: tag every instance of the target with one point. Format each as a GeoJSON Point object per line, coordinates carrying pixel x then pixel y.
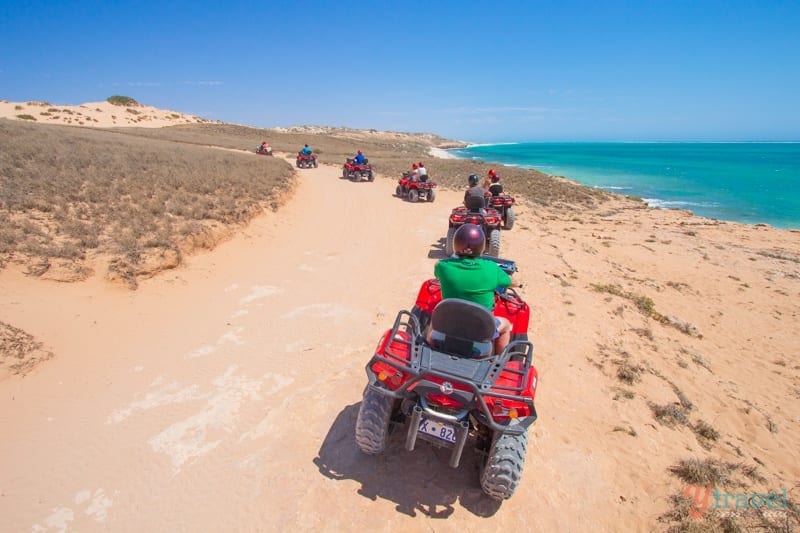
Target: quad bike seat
{"type": "Point", "coordinates": [462, 328]}
{"type": "Point", "coordinates": [474, 204]}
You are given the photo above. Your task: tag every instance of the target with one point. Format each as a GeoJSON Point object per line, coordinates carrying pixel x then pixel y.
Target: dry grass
{"type": "Point", "coordinates": [695, 510]}
{"type": "Point", "coordinates": [70, 194]}
{"type": "Point", "coordinates": [19, 351]}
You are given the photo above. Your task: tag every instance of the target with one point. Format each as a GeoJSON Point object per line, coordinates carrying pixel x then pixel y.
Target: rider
{"type": "Point", "coordinates": [475, 190]}
{"type": "Point", "coordinates": [265, 147]}
{"type": "Point", "coordinates": [465, 275]}
{"type": "Point", "coordinates": [359, 158]}
{"type": "Point", "coordinates": [423, 172]}
{"type": "Point", "coordinates": [414, 174]}
{"type": "Point", "coordinates": [496, 188]}
{"type": "Point", "coordinates": [306, 150]}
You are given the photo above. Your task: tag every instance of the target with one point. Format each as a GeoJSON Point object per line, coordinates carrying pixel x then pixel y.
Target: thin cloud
{"type": "Point", "coordinates": [169, 84]}
{"type": "Point", "coordinates": [505, 109]}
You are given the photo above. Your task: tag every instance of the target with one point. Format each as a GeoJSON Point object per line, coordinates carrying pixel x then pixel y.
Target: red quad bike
{"type": "Point", "coordinates": [414, 191]}
{"type": "Point", "coordinates": [487, 218]}
{"type": "Point", "coordinates": [306, 160]}
{"type": "Point", "coordinates": [356, 172]}
{"type": "Point", "coordinates": [503, 204]}
{"type": "Point", "coordinates": [456, 390]}
{"type": "Point", "coordinates": [262, 151]}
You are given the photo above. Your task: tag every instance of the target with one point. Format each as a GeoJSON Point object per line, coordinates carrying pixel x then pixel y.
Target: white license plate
{"type": "Point", "coordinates": [438, 430]}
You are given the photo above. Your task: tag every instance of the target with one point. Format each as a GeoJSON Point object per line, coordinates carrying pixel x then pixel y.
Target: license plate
{"type": "Point", "coordinates": [438, 430]}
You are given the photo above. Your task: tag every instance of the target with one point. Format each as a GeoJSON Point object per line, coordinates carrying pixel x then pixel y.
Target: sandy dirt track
{"type": "Point", "coordinates": [222, 396]}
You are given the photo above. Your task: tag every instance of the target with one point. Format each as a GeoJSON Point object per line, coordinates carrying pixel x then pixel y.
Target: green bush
{"type": "Point", "coordinates": [122, 100]}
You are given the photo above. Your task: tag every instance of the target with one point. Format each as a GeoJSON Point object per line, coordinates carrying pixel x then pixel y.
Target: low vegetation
{"type": "Point", "coordinates": [124, 101]}
{"type": "Point", "coordinates": [69, 196]}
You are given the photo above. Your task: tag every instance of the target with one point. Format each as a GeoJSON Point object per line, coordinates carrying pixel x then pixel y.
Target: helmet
{"type": "Point", "coordinates": [469, 240]}
{"type": "Point", "coordinates": [473, 179]}
{"type": "Point", "coordinates": [421, 164]}
{"type": "Point", "coordinates": [495, 178]}
{"type": "Point", "coordinates": [492, 173]}
{"type": "Point", "coordinates": [359, 151]}
{"type": "Point", "coordinates": [414, 166]}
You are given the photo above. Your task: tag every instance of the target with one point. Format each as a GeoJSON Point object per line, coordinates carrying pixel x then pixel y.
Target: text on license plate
{"type": "Point", "coordinates": [438, 429]}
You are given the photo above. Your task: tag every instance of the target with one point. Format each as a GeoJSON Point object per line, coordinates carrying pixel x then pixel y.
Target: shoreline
{"type": "Point", "coordinates": [671, 188]}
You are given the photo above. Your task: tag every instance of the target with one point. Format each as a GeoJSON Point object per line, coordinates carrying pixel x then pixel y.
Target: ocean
{"type": "Point", "coordinates": [750, 182]}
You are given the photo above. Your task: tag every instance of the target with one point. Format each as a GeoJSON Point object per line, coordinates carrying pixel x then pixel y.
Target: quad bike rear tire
{"type": "Point", "coordinates": [494, 243]}
{"type": "Point", "coordinates": [371, 176]}
{"type": "Point", "coordinates": [315, 163]}
{"type": "Point", "coordinates": [344, 173]}
{"type": "Point", "coordinates": [448, 245]}
{"type": "Point", "coordinates": [502, 470]}
{"type": "Point", "coordinates": [372, 424]}
{"type": "Point", "coordinates": [398, 191]}
{"type": "Point", "coordinates": [431, 195]}
{"type": "Point", "coordinates": [510, 216]}
{"type": "Point", "coordinates": [413, 195]}
{"type": "Point", "coordinates": [299, 165]}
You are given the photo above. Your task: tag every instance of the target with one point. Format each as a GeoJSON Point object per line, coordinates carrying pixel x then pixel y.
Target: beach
{"type": "Point", "coordinates": [221, 393]}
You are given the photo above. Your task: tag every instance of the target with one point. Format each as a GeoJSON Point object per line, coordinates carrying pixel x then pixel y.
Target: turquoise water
{"type": "Point", "coordinates": [740, 182]}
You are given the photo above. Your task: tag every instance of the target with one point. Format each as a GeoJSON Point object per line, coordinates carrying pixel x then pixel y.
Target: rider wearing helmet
{"type": "Point", "coordinates": [359, 158]}
{"type": "Point", "coordinates": [465, 275]}
{"type": "Point", "coordinates": [306, 150]}
{"type": "Point", "coordinates": [475, 191]}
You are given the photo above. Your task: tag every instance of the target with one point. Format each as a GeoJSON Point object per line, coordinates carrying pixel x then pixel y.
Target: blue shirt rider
{"type": "Point", "coordinates": [306, 150]}
{"type": "Point", "coordinates": [359, 158]}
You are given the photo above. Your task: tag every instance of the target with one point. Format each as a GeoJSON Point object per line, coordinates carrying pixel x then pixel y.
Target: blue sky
{"type": "Point", "coordinates": [477, 71]}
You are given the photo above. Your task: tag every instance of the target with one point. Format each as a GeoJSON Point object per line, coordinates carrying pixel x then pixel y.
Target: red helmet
{"type": "Point", "coordinates": [492, 172]}
{"type": "Point", "coordinates": [469, 240]}
{"type": "Point", "coordinates": [359, 151]}
{"type": "Point", "coordinates": [414, 166]}
{"type": "Point", "coordinates": [421, 164]}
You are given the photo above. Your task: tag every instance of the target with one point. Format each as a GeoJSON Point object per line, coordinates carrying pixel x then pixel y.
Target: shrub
{"type": "Point", "coordinates": [124, 101]}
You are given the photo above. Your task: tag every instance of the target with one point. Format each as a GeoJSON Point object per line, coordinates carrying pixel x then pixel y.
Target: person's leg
{"type": "Point", "coordinates": [504, 334]}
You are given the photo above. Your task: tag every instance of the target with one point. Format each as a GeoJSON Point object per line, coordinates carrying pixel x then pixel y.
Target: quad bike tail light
{"type": "Point", "coordinates": [388, 375]}
{"type": "Point", "coordinates": [512, 411]}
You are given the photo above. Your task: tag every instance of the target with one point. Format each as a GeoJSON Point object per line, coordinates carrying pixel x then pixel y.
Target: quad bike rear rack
{"type": "Point", "coordinates": [479, 376]}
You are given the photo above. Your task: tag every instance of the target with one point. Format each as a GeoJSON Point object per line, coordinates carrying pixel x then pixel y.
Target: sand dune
{"type": "Point", "coordinates": [222, 395]}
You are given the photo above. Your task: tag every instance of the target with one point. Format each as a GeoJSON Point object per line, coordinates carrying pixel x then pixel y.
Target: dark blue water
{"type": "Point", "coordinates": [740, 182]}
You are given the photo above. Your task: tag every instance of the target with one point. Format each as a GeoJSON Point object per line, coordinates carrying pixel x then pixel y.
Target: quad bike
{"type": "Point", "coordinates": [455, 390]}
{"type": "Point", "coordinates": [353, 171]}
{"type": "Point", "coordinates": [306, 160]}
{"type": "Point", "coordinates": [260, 150]}
{"type": "Point", "coordinates": [475, 213]}
{"type": "Point", "coordinates": [503, 204]}
{"type": "Point", "coordinates": [413, 191]}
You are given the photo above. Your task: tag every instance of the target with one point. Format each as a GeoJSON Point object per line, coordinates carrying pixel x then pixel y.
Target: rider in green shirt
{"type": "Point", "coordinates": [467, 276]}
